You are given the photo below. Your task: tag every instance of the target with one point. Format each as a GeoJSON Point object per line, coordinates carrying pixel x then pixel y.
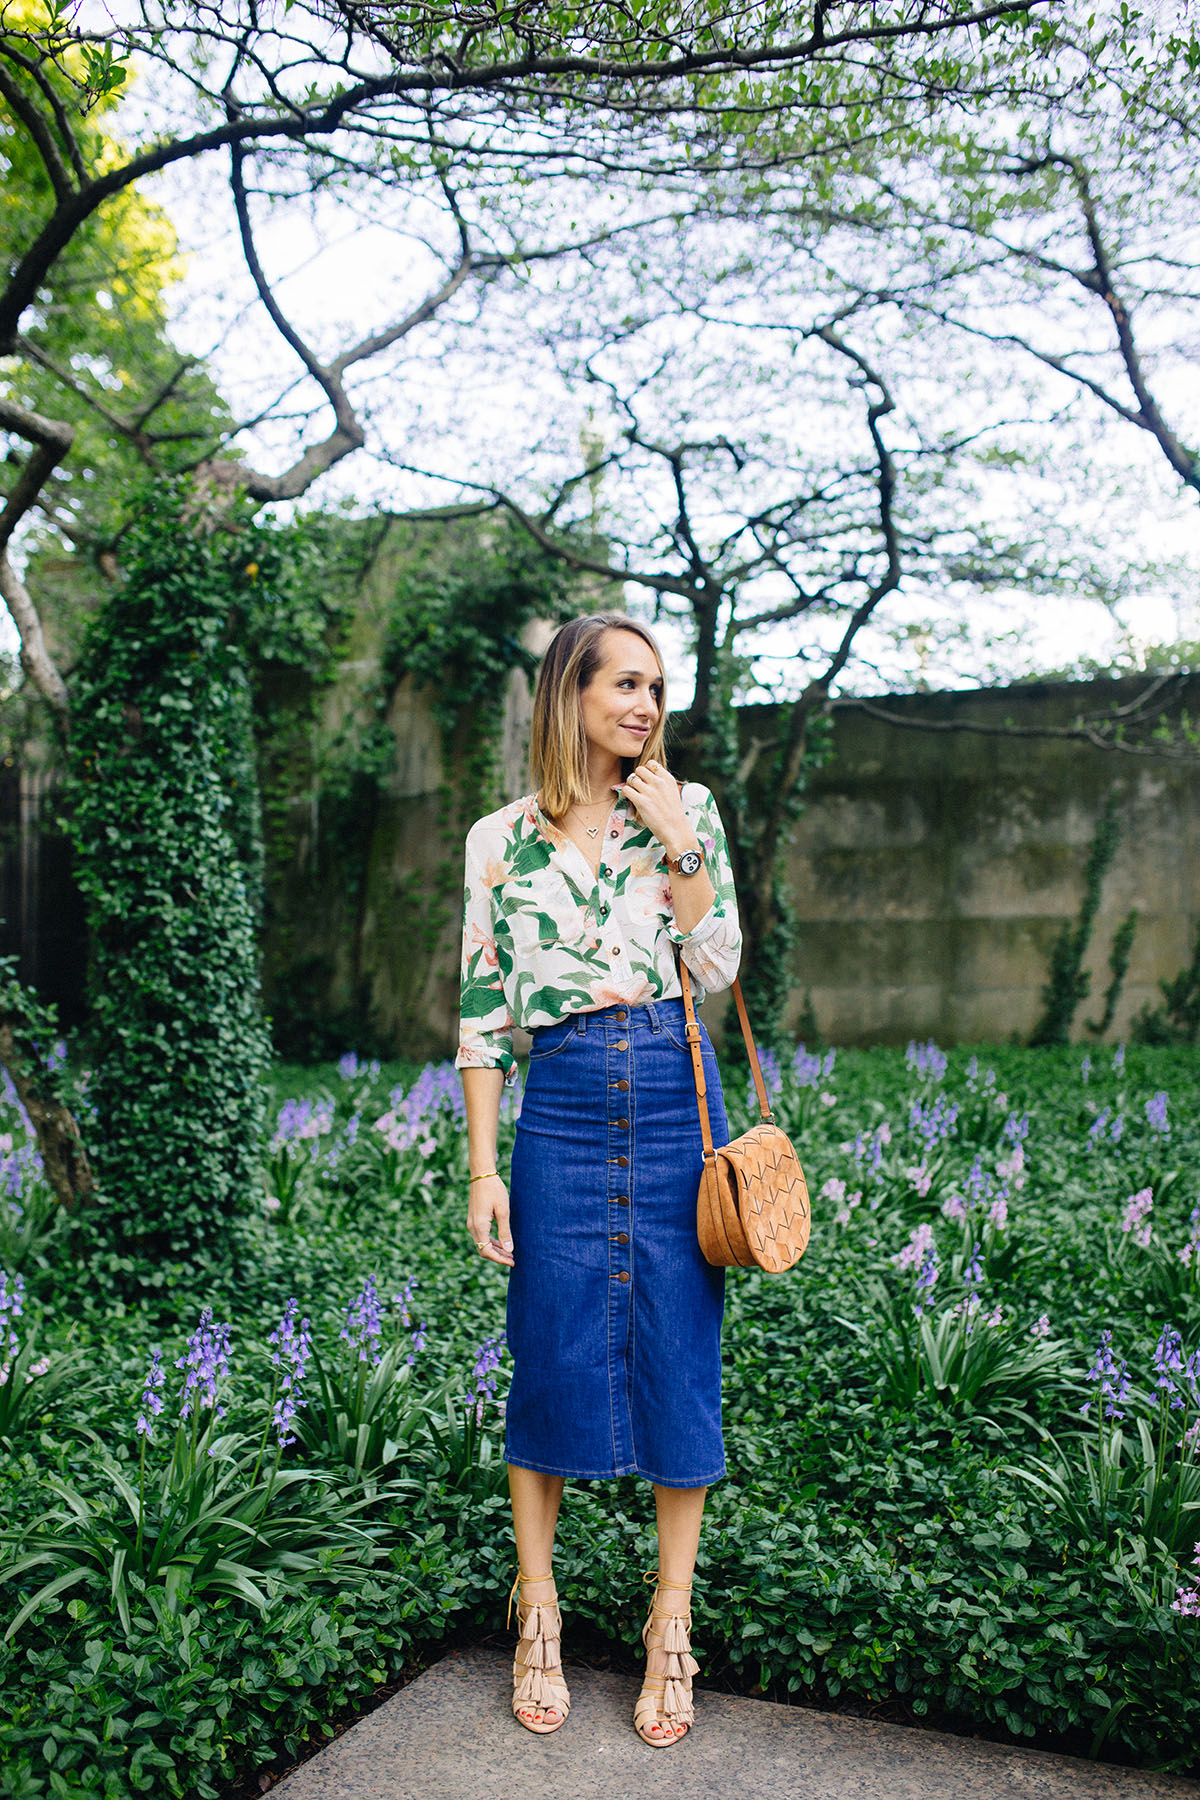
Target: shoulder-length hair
{"type": "Point", "coordinates": [558, 744]}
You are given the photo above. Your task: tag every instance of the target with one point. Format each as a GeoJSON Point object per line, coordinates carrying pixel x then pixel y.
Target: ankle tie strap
{"type": "Point", "coordinates": [512, 1593]}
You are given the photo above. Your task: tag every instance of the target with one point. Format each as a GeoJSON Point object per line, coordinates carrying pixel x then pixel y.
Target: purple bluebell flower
{"type": "Point", "coordinates": [1187, 1595]}
{"type": "Point", "coordinates": [1168, 1363]}
{"type": "Point", "coordinates": [1156, 1113]}
{"type": "Point", "coordinates": [806, 1068]}
{"type": "Point", "coordinates": [152, 1403]}
{"type": "Point", "coordinates": [205, 1363]}
{"type": "Point", "coordinates": [1190, 1254]}
{"type": "Point", "coordinates": [12, 1306]}
{"type": "Point", "coordinates": [934, 1120]}
{"type": "Point", "coordinates": [1041, 1326]}
{"type": "Point", "coordinates": [1085, 1069]}
{"type": "Point", "coordinates": [363, 1328]}
{"type": "Point", "coordinates": [1016, 1128]}
{"type": "Point", "coordinates": [483, 1375]}
{"type": "Point", "coordinates": [403, 1302]}
{"type": "Point", "coordinates": [926, 1060]}
{"type": "Point", "coordinates": [1136, 1218]}
{"type": "Point", "coordinates": [1118, 1061]}
{"type": "Point", "coordinates": [926, 1280]}
{"type": "Point", "coordinates": [292, 1346]}
{"type": "Point", "coordinates": [1110, 1377]}
{"type": "Point", "coordinates": [348, 1065]}
{"type": "Point", "coordinates": [302, 1121]}
{"type": "Point", "coordinates": [916, 1250]}
{"type": "Point", "coordinates": [973, 1273]}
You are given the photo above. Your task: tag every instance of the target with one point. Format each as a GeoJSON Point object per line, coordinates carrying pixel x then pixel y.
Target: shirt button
{"type": "Point", "coordinates": [603, 869]}
{"type": "Point", "coordinates": [624, 1275]}
{"type": "Point", "coordinates": [614, 834]}
{"type": "Point", "coordinates": [622, 1124]}
{"type": "Point", "coordinates": [622, 1162]}
{"type": "Point", "coordinates": [622, 1237]}
{"type": "Point", "coordinates": [616, 951]}
{"type": "Point", "coordinates": [621, 1015]}
{"type": "Point", "coordinates": [604, 910]}
{"type": "Point", "coordinates": [622, 1199]}
{"type": "Point", "coordinates": [623, 1086]}
{"type": "Point", "coordinates": [621, 1044]}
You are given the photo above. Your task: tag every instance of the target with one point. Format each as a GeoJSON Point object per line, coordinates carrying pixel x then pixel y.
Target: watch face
{"type": "Point", "coordinates": [689, 862]}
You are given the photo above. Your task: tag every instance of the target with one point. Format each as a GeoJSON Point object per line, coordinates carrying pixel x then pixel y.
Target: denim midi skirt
{"type": "Point", "coordinates": [614, 1317]}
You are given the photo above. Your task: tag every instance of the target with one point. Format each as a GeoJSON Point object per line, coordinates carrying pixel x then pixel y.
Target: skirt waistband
{"type": "Point", "coordinates": [653, 1015]}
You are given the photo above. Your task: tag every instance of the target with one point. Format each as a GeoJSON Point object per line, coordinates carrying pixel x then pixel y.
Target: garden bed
{"type": "Point", "coordinates": [919, 1513]}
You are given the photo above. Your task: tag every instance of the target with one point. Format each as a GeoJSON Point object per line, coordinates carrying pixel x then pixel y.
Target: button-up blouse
{"type": "Point", "coordinates": [544, 937]}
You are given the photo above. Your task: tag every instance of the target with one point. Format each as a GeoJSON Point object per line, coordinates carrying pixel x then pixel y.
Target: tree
{"type": "Point", "coordinates": [428, 109]}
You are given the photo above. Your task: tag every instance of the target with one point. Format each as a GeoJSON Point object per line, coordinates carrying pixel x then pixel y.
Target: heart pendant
{"type": "Point", "coordinates": [592, 830]}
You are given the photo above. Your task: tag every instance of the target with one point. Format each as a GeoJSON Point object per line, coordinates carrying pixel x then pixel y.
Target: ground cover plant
{"type": "Point", "coordinates": [963, 1437]}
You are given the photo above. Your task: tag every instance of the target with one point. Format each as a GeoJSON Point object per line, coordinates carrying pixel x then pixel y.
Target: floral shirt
{"type": "Point", "coordinates": [544, 937]}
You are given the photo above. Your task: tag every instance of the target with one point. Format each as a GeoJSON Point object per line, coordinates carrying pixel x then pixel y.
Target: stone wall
{"type": "Point", "coordinates": [934, 868]}
{"type": "Point", "coordinates": [932, 872]}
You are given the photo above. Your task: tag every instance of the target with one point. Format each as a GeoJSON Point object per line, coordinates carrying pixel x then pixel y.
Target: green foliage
{"type": "Point", "coordinates": [1070, 983]}
{"type": "Point", "coordinates": [1178, 1021]}
{"type": "Point", "coordinates": [1118, 968]}
{"type": "Point", "coordinates": [882, 1536]}
{"type": "Point", "coordinates": [162, 816]}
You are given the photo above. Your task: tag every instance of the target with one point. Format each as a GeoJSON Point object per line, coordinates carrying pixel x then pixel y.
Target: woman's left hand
{"type": "Point", "coordinates": [654, 792]}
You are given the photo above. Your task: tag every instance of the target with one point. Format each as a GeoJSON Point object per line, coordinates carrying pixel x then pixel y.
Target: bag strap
{"type": "Point", "coordinates": [692, 1033]}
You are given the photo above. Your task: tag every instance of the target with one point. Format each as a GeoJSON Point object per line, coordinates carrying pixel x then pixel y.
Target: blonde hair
{"type": "Point", "coordinates": [558, 743]}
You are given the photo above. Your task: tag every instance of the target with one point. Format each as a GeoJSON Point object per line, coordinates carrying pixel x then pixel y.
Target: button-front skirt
{"type": "Point", "coordinates": [614, 1317]}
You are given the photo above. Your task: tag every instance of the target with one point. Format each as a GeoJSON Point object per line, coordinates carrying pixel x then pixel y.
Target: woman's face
{"type": "Point", "coordinates": [621, 703]}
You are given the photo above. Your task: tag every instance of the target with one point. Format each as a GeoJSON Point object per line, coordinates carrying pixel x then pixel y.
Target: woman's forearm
{"type": "Point", "coordinates": [481, 1092]}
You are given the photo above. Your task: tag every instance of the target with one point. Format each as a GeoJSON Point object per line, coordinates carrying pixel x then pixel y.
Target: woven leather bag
{"type": "Point", "coordinates": [752, 1209]}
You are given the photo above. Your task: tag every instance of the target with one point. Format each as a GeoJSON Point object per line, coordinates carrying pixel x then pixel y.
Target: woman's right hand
{"type": "Point", "coordinates": [489, 1203]}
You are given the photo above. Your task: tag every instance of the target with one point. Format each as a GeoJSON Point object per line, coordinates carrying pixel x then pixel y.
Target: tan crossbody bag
{"type": "Point", "coordinates": [752, 1209]}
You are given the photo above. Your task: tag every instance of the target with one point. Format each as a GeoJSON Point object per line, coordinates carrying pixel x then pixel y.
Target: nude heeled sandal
{"type": "Point", "coordinates": [666, 1696]}
{"type": "Point", "coordinates": [538, 1684]}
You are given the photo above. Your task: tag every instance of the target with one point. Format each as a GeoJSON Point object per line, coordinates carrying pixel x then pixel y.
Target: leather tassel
{"type": "Point", "coordinates": [675, 1634]}
{"type": "Point", "coordinates": [676, 1704]}
{"type": "Point", "coordinates": [534, 1690]}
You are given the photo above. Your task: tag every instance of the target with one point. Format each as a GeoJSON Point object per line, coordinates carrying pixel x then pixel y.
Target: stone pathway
{"type": "Point", "coordinates": [450, 1735]}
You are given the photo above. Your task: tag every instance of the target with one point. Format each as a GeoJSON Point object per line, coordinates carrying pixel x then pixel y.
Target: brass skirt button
{"type": "Point", "coordinates": [622, 1237]}
{"type": "Point", "coordinates": [624, 1275]}
{"type": "Point", "coordinates": [621, 1044]}
{"type": "Point", "coordinates": [622, 1162]}
{"type": "Point", "coordinates": [622, 1124]}
{"type": "Point", "coordinates": [623, 1087]}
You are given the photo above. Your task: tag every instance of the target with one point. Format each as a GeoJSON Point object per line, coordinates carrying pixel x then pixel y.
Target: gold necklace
{"type": "Point", "coordinates": [592, 830]}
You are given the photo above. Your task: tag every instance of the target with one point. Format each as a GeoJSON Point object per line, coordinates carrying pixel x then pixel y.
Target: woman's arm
{"type": "Point", "coordinates": [488, 1197]}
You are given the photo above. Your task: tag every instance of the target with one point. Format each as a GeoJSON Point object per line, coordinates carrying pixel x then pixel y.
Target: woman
{"type": "Point", "coordinates": [577, 899]}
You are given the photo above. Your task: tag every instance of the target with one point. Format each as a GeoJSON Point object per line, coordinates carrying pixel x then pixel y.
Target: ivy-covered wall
{"type": "Point", "coordinates": [372, 774]}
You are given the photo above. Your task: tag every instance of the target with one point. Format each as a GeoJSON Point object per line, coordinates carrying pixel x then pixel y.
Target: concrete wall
{"type": "Point", "coordinates": [932, 873]}
{"type": "Point", "coordinates": [934, 868]}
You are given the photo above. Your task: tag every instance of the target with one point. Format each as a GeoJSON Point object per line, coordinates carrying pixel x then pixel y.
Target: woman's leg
{"type": "Point", "coordinates": [535, 1503]}
{"type": "Point", "coordinates": [680, 1512]}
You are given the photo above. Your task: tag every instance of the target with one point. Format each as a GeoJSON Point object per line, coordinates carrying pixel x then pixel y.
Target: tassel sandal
{"type": "Point", "coordinates": [664, 1710]}
{"type": "Point", "coordinates": [538, 1685]}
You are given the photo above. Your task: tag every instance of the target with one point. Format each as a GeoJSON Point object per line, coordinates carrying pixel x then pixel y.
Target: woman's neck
{"type": "Point", "coordinates": [603, 777]}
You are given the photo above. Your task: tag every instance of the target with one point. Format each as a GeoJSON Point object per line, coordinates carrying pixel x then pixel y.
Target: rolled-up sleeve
{"type": "Point", "coordinates": [712, 949]}
{"type": "Point", "coordinates": [485, 1032]}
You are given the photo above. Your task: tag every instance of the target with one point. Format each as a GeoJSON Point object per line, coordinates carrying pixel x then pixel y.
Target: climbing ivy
{"type": "Point", "coordinates": [1070, 983]}
{"type": "Point", "coordinates": [162, 811]}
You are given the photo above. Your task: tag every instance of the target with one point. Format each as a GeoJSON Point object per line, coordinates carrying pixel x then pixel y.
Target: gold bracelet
{"type": "Point", "coordinates": [484, 1176]}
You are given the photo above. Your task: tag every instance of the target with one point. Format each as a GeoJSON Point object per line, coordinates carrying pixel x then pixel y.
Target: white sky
{"type": "Point", "coordinates": [507, 411]}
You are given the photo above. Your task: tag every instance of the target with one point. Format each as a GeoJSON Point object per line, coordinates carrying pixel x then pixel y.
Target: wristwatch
{"type": "Point", "coordinates": [690, 862]}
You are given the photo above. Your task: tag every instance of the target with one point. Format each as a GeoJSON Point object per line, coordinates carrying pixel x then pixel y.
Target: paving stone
{"type": "Point", "coordinates": [450, 1735]}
